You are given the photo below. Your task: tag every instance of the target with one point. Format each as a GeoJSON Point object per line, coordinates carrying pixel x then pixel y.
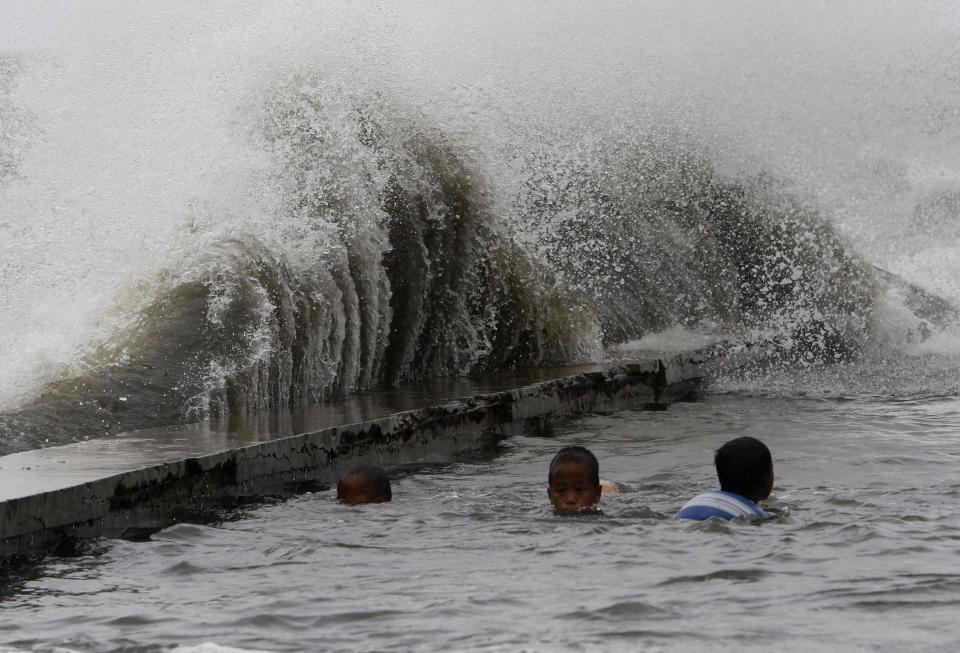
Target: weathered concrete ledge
{"type": "Point", "coordinates": [141, 481]}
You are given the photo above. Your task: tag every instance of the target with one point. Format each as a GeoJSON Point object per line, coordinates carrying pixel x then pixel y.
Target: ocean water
{"type": "Point", "coordinates": [861, 556]}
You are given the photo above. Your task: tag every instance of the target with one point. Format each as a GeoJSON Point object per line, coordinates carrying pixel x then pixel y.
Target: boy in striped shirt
{"type": "Point", "coordinates": [745, 468]}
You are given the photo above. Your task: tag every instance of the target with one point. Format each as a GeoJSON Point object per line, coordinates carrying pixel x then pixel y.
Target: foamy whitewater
{"type": "Point", "coordinates": [244, 207]}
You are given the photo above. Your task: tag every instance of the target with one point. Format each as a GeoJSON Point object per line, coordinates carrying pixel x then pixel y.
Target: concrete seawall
{"type": "Point", "coordinates": [142, 481]}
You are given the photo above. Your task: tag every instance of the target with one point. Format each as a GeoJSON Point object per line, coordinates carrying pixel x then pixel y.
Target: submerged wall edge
{"type": "Point", "coordinates": [144, 499]}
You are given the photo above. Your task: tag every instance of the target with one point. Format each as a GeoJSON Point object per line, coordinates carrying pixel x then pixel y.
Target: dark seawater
{"type": "Point", "coordinates": [862, 556]}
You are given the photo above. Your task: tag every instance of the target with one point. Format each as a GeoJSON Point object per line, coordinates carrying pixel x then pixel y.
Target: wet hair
{"type": "Point", "coordinates": [743, 465]}
{"type": "Point", "coordinates": [579, 456]}
{"type": "Point", "coordinates": [375, 479]}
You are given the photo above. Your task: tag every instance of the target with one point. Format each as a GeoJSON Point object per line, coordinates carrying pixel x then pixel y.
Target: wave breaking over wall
{"type": "Point", "coordinates": [338, 219]}
{"type": "Point", "coordinates": [396, 269]}
{"type": "Point", "coordinates": [385, 266]}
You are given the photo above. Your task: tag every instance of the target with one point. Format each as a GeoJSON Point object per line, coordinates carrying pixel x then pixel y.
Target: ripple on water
{"type": "Point", "coordinates": [354, 616]}
{"type": "Point", "coordinates": [297, 552]}
{"type": "Point", "coordinates": [844, 535]}
{"type": "Point", "coordinates": [747, 575]}
{"type": "Point", "coordinates": [191, 533]}
{"type": "Point", "coordinates": [183, 568]}
{"type": "Point", "coordinates": [618, 611]}
{"type": "Point", "coordinates": [134, 619]}
{"type": "Point", "coordinates": [268, 621]}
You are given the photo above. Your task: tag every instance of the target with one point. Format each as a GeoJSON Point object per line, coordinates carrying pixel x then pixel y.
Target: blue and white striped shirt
{"type": "Point", "coordinates": [725, 505]}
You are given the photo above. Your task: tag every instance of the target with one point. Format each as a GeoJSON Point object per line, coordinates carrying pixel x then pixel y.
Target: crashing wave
{"type": "Point", "coordinates": [651, 232]}
{"type": "Point", "coordinates": [387, 263]}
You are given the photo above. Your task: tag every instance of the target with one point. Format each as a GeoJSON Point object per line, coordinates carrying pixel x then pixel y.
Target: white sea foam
{"type": "Point", "coordinates": [212, 647]}
{"type": "Point", "coordinates": [674, 339]}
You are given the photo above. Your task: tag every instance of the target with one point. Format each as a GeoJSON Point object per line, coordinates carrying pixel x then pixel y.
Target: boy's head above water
{"type": "Point", "coordinates": [364, 484]}
{"type": "Point", "coordinates": [745, 467]}
{"type": "Point", "coordinates": [573, 483]}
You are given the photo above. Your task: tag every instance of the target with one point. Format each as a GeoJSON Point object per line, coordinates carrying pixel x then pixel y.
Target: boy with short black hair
{"type": "Point", "coordinates": [364, 484]}
{"type": "Point", "coordinates": [745, 469]}
{"type": "Point", "coordinates": [573, 482]}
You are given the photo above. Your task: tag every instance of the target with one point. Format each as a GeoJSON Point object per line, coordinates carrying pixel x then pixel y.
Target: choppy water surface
{"type": "Point", "coordinates": [862, 557]}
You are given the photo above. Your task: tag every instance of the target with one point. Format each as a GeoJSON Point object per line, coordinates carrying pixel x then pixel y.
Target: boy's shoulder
{"type": "Point", "coordinates": [612, 487]}
{"type": "Point", "coordinates": [717, 503]}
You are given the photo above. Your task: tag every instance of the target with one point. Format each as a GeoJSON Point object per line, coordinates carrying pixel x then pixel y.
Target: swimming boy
{"type": "Point", "coordinates": [573, 482]}
{"type": "Point", "coordinates": [745, 468]}
{"type": "Point", "coordinates": [364, 484]}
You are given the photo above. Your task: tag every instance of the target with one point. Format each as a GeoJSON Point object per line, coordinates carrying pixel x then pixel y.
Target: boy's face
{"type": "Point", "coordinates": [571, 489]}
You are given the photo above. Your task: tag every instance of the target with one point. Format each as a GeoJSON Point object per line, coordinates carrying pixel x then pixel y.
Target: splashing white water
{"type": "Point", "coordinates": [145, 150]}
